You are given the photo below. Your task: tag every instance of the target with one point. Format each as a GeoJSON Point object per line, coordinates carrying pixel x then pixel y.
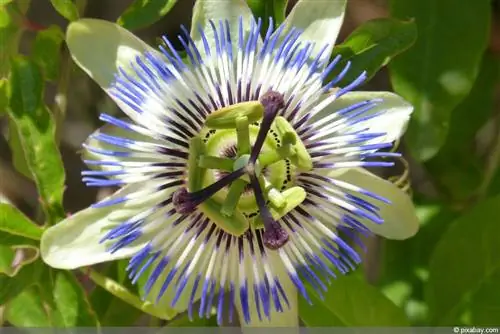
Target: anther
{"type": "Point", "coordinates": [274, 236]}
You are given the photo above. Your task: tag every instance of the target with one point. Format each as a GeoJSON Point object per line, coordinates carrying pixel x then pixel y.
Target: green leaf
{"type": "Point", "coordinates": [10, 34]}
{"type": "Point", "coordinates": [27, 276]}
{"type": "Point", "coordinates": [46, 51]}
{"type": "Point", "coordinates": [66, 8]}
{"type": "Point", "coordinates": [458, 179]}
{"type": "Point", "coordinates": [9, 265]}
{"type": "Point", "coordinates": [143, 13]}
{"type": "Point", "coordinates": [440, 69]}
{"type": "Point", "coordinates": [7, 239]}
{"type": "Point", "coordinates": [112, 311]}
{"type": "Point", "coordinates": [71, 306]}
{"type": "Point", "coordinates": [28, 310]}
{"type": "Point", "coordinates": [465, 263]}
{"type": "Point", "coordinates": [4, 98]}
{"type": "Point", "coordinates": [268, 8]}
{"type": "Point", "coordinates": [372, 45]}
{"type": "Point", "coordinates": [36, 131]}
{"type": "Point", "coordinates": [405, 266]}
{"type": "Point", "coordinates": [350, 302]}
{"type": "Point", "coordinates": [18, 158]}
{"type": "Point", "coordinates": [15, 222]}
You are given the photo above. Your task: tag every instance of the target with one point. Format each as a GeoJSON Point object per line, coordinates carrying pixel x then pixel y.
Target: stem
{"type": "Point", "coordinates": [121, 292]}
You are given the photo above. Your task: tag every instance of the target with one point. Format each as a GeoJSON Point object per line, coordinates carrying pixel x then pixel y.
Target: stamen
{"type": "Point", "coordinates": [235, 191]}
{"type": "Point", "coordinates": [211, 162]}
{"type": "Point", "coordinates": [272, 102]}
{"type": "Point", "coordinates": [274, 235]}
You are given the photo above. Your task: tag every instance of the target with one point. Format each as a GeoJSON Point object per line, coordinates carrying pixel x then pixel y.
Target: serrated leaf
{"type": "Point", "coordinates": [36, 129]}
{"type": "Point", "coordinates": [15, 222]}
{"type": "Point", "coordinates": [464, 263]}
{"type": "Point", "coordinates": [66, 8]}
{"type": "Point", "coordinates": [143, 13]}
{"type": "Point", "coordinates": [350, 302]}
{"type": "Point", "coordinates": [440, 69]}
{"type": "Point", "coordinates": [459, 179]}
{"type": "Point", "coordinates": [46, 51]}
{"type": "Point", "coordinates": [27, 309]}
{"type": "Point", "coordinates": [372, 45]}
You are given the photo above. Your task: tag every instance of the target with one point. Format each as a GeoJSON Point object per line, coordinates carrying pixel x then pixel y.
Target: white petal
{"type": "Point", "coordinates": [74, 242]}
{"type": "Point", "coordinates": [400, 219]}
{"type": "Point", "coordinates": [393, 120]}
{"type": "Point", "coordinates": [100, 47]}
{"type": "Point", "coordinates": [320, 21]}
{"type": "Point", "coordinates": [230, 10]}
{"type": "Point", "coordinates": [289, 317]}
{"type": "Point", "coordinates": [112, 130]}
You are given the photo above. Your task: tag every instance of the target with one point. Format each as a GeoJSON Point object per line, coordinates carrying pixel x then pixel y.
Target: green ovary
{"type": "Point", "coordinates": [234, 208]}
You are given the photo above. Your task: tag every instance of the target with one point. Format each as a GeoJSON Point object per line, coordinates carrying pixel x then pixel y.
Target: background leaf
{"type": "Point", "coordinates": [28, 310]}
{"type": "Point", "coordinates": [350, 302]}
{"type": "Point", "coordinates": [372, 45]}
{"type": "Point", "coordinates": [28, 275]}
{"type": "Point", "coordinates": [268, 8]}
{"type": "Point", "coordinates": [440, 69]}
{"type": "Point", "coordinates": [36, 130]}
{"type": "Point", "coordinates": [143, 13]}
{"type": "Point", "coordinates": [46, 51]}
{"type": "Point", "coordinates": [458, 181]}
{"type": "Point", "coordinates": [15, 222]}
{"type": "Point", "coordinates": [66, 8]}
{"type": "Point", "coordinates": [466, 262]}
{"type": "Point", "coordinates": [111, 310]}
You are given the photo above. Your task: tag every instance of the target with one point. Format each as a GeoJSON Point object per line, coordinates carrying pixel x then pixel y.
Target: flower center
{"type": "Point", "coordinates": [241, 167]}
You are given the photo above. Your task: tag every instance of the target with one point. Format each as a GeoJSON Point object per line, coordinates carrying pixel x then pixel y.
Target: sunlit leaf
{"type": "Point", "coordinates": [15, 222]}
{"type": "Point", "coordinates": [66, 8]}
{"type": "Point", "coordinates": [440, 69]}
{"type": "Point", "coordinates": [143, 13]}
{"type": "Point", "coordinates": [46, 51]}
{"type": "Point", "coordinates": [35, 127]}
{"type": "Point", "coordinates": [464, 263]}
{"type": "Point", "coordinates": [350, 302]}
{"type": "Point", "coordinates": [372, 45]}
